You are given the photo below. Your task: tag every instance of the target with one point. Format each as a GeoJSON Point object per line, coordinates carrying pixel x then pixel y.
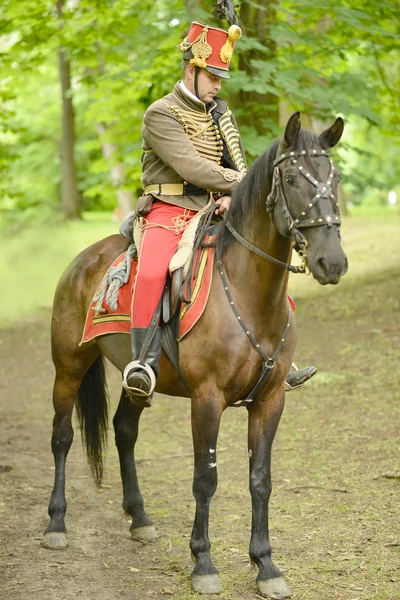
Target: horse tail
{"type": "Point", "coordinates": [92, 409]}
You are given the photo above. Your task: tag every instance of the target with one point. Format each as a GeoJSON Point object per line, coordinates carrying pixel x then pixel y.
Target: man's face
{"type": "Point", "coordinates": [208, 84]}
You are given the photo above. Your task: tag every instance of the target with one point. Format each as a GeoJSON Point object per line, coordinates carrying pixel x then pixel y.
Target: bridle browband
{"type": "Point", "coordinates": [294, 224]}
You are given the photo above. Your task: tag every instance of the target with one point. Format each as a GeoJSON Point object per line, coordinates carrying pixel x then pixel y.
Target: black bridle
{"type": "Point", "coordinates": [294, 224]}
{"type": "Point", "coordinates": [323, 191]}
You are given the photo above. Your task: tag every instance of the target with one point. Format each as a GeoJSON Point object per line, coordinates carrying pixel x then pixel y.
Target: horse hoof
{"type": "Point", "coordinates": [206, 584]}
{"type": "Point", "coordinates": [55, 540]}
{"type": "Point", "coordinates": [275, 588]}
{"type": "Point", "coordinates": [147, 533]}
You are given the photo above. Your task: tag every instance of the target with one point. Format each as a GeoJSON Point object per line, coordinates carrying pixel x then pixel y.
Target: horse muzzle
{"type": "Point", "coordinates": [327, 270]}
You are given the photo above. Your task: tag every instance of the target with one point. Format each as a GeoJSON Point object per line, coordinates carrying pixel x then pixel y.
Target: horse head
{"type": "Point", "coordinates": [303, 201]}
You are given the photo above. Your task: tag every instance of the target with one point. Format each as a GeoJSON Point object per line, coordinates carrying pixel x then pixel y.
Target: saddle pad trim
{"type": "Point", "coordinates": [200, 295]}
{"type": "Point", "coordinates": [108, 318]}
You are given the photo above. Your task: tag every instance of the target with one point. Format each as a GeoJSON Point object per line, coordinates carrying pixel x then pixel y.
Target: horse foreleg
{"type": "Point", "coordinates": [64, 395]}
{"type": "Point", "coordinates": [264, 418]}
{"type": "Point", "coordinates": [206, 416]}
{"type": "Point", "coordinates": [126, 426]}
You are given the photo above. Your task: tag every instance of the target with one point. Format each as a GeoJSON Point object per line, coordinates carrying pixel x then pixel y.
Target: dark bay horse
{"type": "Point", "coordinates": [287, 198]}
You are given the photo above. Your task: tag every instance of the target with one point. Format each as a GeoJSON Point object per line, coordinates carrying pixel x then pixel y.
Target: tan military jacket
{"type": "Point", "coordinates": [183, 144]}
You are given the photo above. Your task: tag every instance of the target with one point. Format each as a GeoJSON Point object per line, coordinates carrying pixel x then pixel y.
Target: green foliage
{"type": "Point", "coordinates": [323, 59]}
{"type": "Point", "coordinates": [330, 58]}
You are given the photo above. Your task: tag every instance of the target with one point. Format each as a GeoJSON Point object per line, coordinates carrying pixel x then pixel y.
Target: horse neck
{"type": "Point", "coordinates": [260, 284]}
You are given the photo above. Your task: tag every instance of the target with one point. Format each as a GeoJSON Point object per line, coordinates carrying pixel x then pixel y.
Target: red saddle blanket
{"type": "Point", "coordinates": [119, 321]}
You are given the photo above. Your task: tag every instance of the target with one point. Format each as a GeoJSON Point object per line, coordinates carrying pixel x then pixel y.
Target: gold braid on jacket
{"type": "Point", "coordinates": [202, 132]}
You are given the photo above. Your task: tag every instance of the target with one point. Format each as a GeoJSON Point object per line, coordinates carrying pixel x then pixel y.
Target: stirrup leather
{"type": "Point", "coordinates": [135, 365]}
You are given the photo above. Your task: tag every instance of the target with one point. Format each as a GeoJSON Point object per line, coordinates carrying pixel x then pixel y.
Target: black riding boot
{"type": "Point", "coordinates": [296, 378]}
{"type": "Point", "coordinates": [139, 378]}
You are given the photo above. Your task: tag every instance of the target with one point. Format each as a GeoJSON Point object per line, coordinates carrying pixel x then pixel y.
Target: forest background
{"type": "Point", "coordinates": [69, 165]}
{"type": "Point", "coordinates": [77, 77]}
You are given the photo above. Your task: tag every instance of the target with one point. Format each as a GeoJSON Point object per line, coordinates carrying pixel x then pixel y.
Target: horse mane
{"type": "Point", "coordinates": [256, 185]}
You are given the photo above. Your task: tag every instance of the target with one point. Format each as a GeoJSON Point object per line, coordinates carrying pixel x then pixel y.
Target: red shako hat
{"type": "Point", "coordinates": [210, 48]}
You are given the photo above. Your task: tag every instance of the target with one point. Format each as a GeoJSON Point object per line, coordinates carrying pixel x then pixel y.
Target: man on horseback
{"type": "Point", "coordinates": [192, 156]}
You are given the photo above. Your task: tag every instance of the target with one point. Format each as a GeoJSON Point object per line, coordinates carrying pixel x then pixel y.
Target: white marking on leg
{"type": "Point", "coordinates": [212, 451]}
{"type": "Point", "coordinates": [212, 465]}
{"type": "Point", "coordinates": [250, 453]}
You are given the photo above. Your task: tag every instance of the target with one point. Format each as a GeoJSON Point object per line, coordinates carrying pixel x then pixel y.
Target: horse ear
{"type": "Point", "coordinates": [332, 135]}
{"type": "Point", "coordinates": [292, 129]}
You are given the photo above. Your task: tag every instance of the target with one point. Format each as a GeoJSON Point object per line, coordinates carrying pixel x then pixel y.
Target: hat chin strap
{"type": "Point", "coordinates": [196, 82]}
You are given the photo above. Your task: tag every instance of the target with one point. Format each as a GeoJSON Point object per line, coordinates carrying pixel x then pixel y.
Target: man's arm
{"type": "Point", "coordinates": [165, 135]}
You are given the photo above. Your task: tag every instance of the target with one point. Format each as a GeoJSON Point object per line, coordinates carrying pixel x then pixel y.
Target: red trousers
{"type": "Point", "coordinates": [163, 229]}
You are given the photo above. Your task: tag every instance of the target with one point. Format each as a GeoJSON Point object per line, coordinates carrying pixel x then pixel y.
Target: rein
{"type": "Point", "coordinates": [249, 246]}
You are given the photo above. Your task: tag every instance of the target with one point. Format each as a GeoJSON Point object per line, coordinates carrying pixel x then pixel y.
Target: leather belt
{"type": "Point", "coordinates": [175, 189]}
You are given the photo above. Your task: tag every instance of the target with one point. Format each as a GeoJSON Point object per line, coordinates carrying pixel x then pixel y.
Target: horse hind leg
{"type": "Point", "coordinates": [66, 387]}
{"type": "Point", "coordinates": [64, 394]}
{"type": "Point", "coordinates": [126, 427]}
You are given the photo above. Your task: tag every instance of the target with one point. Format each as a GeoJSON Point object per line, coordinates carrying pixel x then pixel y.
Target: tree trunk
{"type": "Point", "coordinates": [70, 200]}
{"type": "Point", "coordinates": [117, 170]}
{"type": "Point", "coordinates": [261, 110]}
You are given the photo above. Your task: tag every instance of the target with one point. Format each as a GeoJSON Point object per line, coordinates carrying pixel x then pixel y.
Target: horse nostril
{"type": "Point", "coordinates": [323, 265]}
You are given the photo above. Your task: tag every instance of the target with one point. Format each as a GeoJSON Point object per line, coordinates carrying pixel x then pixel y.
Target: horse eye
{"type": "Point", "coordinates": [289, 179]}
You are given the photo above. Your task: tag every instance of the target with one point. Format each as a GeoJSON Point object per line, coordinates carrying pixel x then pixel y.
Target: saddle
{"type": "Point", "coordinates": [179, 287]}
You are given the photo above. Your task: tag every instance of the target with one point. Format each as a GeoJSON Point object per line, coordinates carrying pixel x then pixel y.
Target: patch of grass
{"type": "Point", "coordinates": [376, 211]}
{"type": "Point", "coordinates": [372, 246]}
{"type": "Point", "coordinates": [33, 259]}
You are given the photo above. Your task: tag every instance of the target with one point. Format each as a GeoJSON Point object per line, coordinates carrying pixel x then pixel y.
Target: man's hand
{"type": "Point", "coordinates": [224, 203]}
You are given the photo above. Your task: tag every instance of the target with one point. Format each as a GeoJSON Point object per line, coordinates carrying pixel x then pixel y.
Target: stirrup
{"type": "Point", "coordinates": [299, 378]}
{"type": "Point", "coordinates": [135, 365]}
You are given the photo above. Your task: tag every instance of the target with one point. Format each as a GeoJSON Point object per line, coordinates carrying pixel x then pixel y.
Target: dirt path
{"type": "Point", "coordinates": [334, 511]}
